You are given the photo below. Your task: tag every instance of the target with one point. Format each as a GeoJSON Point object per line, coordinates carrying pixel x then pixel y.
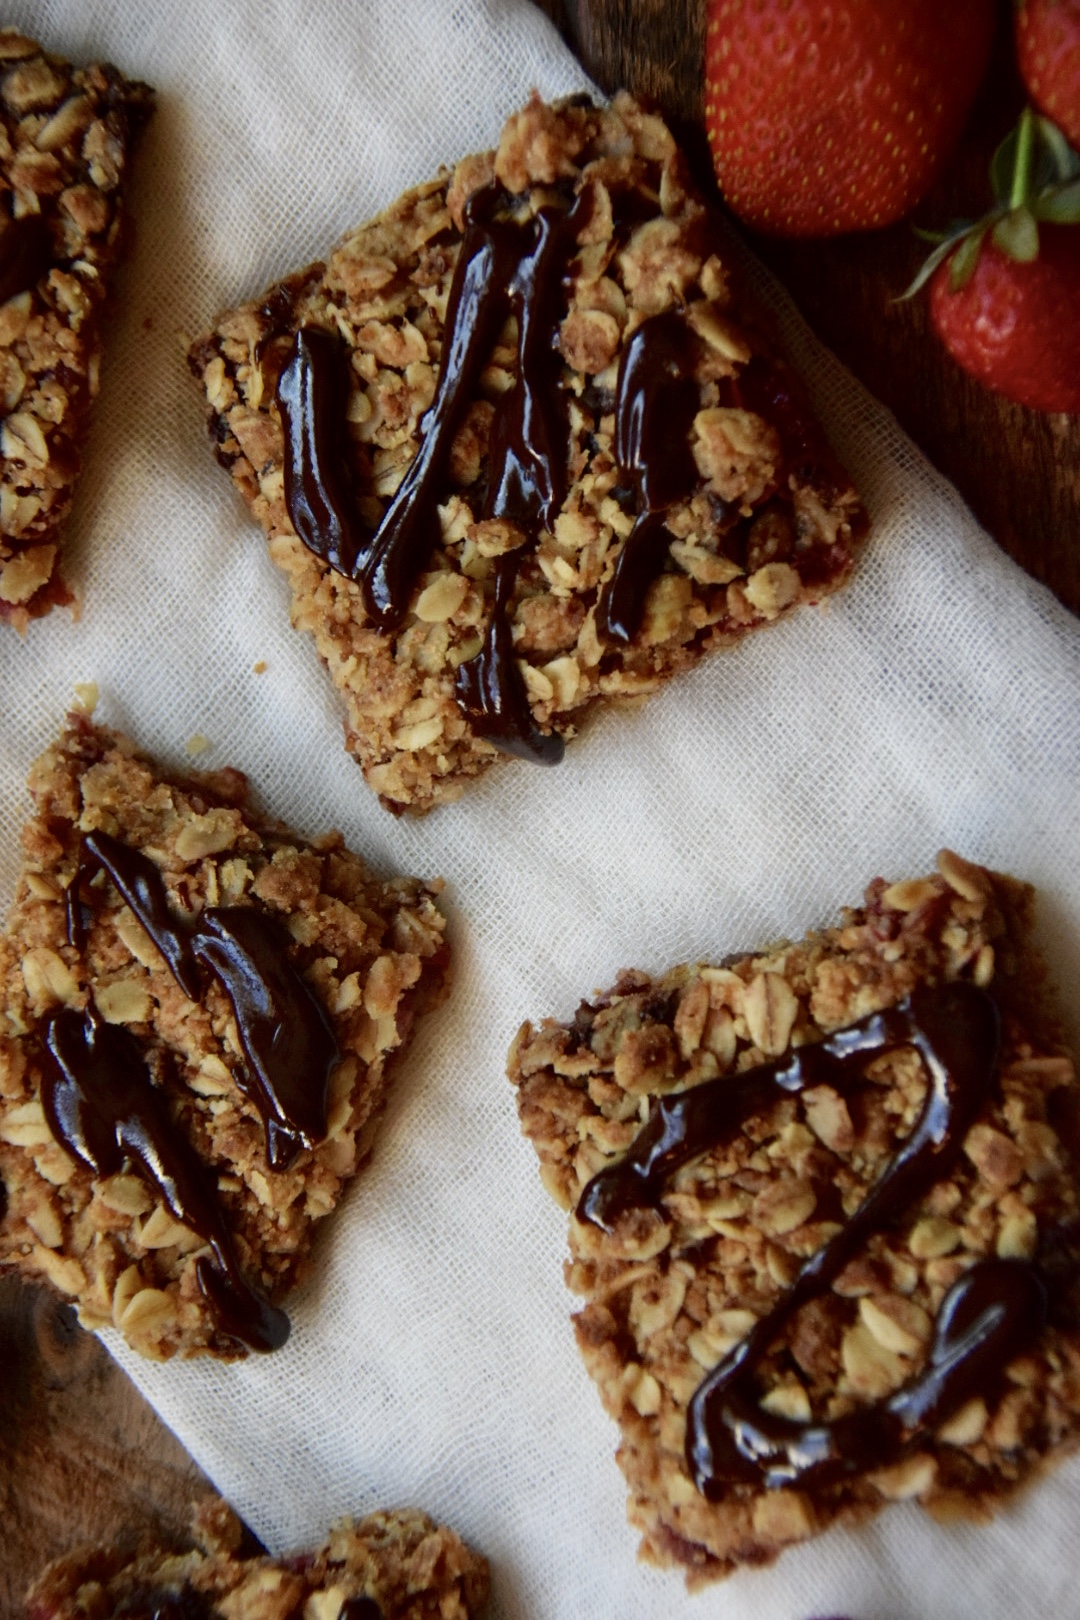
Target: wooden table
{"type": "Point", "coordinates": [81, 1454]}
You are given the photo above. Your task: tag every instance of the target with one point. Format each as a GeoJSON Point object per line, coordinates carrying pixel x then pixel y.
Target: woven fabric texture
{"type": "Point", "coordinates": [932, 703]}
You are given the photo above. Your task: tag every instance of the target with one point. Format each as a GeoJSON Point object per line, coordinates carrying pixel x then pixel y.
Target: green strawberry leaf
{"type": "Point", "coordinates": [1003, 166]}
{"type": "Point", "coordinates": [965, 259]}
{"type": "Point", "coordinates": [1035, 174]}
{"type": "Point", "coordinates": [953, 231]}
{"type": "Point", "coordinates": [1017, 235]}
{"type": "Point", "coordinates": [1059, 207]}
{"type": "Point", "coordinates": [939, 255]}
{"type": "Point", "coordinates": [1065, 162]}
{"type": "Point", "coordinates": [1033, 158]}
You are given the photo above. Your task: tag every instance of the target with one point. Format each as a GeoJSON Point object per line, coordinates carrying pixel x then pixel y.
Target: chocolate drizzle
{"type": "Point", "coordinates": [287, 1038]}
{"type": "Point", "coordinates": [491, 691]}
{"type": "Point", "coordinates": [139, 884]}
{"type": "Point", "coordinates": [103, 1108]}
{"type": "Point", "coordinates": [990, 1312]}
{"type": "Point", "coordinates": [505, 266]}
{"type": "Point", "coordinates": [312, 395]}
{"type": "Point", "coordinates": [360, 1608]}
{"type": "Point", "coordinates": [515, 266]}
{"type": "Point", "coordinates": [26, 254]}
{"type": "Point", "coordinates": [475, 311]}
{"type": "Point", "coordinates": [656, 400]}
{"type": "Point", "coordinates": [527, 477]}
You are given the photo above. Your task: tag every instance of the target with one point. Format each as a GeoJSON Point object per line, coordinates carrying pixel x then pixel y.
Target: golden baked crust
{"type": "Point", "coordinates": [673, 1286]}
{"type": "Point", "coordinates": [373, 954]}
{"type": "Point", "coordinates": [766, 521]}
{"type": "Point", "coordinates": [66, 140]}
{"type": "Point", "coordinates": [401, 1562]}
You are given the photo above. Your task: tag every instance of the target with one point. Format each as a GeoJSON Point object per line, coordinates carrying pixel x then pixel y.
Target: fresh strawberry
{"type": "Point", "coordinates": [827, 116]}
{"type": "Point", "coordinates": [1015, 326]}
{"type": "Point", "coordinates": [1005, 290]}
{"type": "Point", "coordinates": [1048, 55]}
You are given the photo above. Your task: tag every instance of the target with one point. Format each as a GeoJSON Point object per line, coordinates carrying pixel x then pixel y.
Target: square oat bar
{"type": "Point", "coordinates": [825, 1221]}
{"type": "Point", "coordinates": [66, 139]}
{"type": "Point", "coordinates": [521, 448]}
{"type": "Point", "coordinates": [396, 1565]}
{"type": "Point", "coordinates": [199, 1013]}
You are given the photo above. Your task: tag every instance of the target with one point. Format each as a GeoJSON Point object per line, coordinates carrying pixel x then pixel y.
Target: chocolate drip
{"type": "Point", "coordinates": [360, 1608]}
{"type": "Point", "coordinates": [102, 1106]}
{"type": "Point", "coordinates": [26, 254]}
{"type": "Point", "coordinates": [955, 1019]}
{"type": "Point", "coordinates": [985, 1318]}
{"type": "Point", "coordinates": [139, 883]}
{"type": "Point", "coordinates": [504, 266]}
{"type": "Point", "coordinates": [490, 690]}
{"type": "Point", "coordinates": [75, 911]}
{"type": "Point", "coordinates": [527, 479]}
{"type": "Point", "coordinates": [656, 400]}
{"type": "Point", "coordinates": [287, 1039]}
{"type": "Point", "coordinates": [528, 454]}
{"type": "Point", "coordinates": [475, 311]}
{"type": "Point", "coordinates": [312, 394]}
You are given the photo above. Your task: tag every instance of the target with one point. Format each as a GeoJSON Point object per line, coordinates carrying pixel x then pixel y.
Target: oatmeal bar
{"type": "Point", "coordinates": [198, 1016]}
{"type": "Point", "coordinates": [66, 138]}
{"type": "Point", "coordinates": [520, 448]}
{"type": "Point", "coordinates": [824, 1223]}
{"type": "Point", "coordinates": [397, 1565]}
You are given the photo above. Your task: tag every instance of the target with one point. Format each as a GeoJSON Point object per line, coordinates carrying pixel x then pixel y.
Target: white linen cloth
{"type": "Point", "coordinates": [934, 702]}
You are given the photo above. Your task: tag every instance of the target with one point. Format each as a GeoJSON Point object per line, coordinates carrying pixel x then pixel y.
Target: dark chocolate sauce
{"type": "Point", "coordinates": [102, 1106]}
{"type": "Point", "coordinates": [486, 265]}
{"type": "Point", "coordinates": [26, 254]}
{"type": "Point", "coordinates": [527, 478]}
{"type": "Point", "coordinates": [491, 691]}
{"type": "Point", "coordinates": [312, 395]}
{"type": "Point", "coordinates": [287, 1039]}
{"type": "Point", "coordinates": [360, 1608]}
{"type": "Point", "coordinates": [139, 883]}
{"type": "Point", "coordinates": [984, 1319]}
{"type": "Point", "coordinates": [74, 912]}
{"type": "Point", "coordinates": [656, 399]}
{"type": "Point", "coordinates": [504, 266]}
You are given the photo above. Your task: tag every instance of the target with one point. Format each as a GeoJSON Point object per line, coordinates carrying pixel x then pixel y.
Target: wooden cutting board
{"type": "Point", "coordinates": [81, 1454]}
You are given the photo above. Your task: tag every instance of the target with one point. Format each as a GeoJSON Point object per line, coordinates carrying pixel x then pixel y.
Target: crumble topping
{"type": "Point", "coordinates": [66, 139]}
{"type": "Point", "coordinates": [674, 1285]}
{"type": "Point", "coordinates": [393, 1565]}
{"type": "Point", "coordinates": [85, 968]}
{"type": "Point", "coordinates": [767, 519]}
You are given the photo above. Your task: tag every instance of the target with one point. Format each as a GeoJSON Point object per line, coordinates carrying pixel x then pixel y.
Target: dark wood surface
{"type": "Point", "coordinates": [81, 1454]}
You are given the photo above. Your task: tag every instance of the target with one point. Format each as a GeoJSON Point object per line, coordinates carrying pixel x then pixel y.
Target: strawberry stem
{"type": "Point", "coordinates": [1025, 147]}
